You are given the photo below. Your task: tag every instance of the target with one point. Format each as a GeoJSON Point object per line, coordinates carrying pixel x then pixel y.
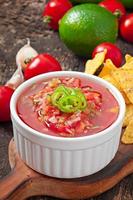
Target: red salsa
{"type": "Point", "coordinates": [67, 107]}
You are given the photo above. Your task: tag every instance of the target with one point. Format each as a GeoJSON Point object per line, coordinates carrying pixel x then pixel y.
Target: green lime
{"type": "Point", "coordinates": [127, 3]}
{"type": "Point", "coordinates": [85, 26]}
{"type": "Point", "coordinates": [85, 1]}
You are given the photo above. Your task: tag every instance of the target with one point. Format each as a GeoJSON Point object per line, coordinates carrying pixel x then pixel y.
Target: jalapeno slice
{"type": "Point", "coordinates": [69, 104]}
{"type": "Point", "coordinates": [82, 98]}
{"type": "Point", "coordinates": [58, 93]}
{"type": "Point", "coordinates": [68, 99]}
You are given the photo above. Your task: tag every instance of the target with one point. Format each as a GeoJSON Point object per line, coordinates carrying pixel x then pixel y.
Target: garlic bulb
{"type": "Point", "coordinates": [16, 79]}
{"type": "Point", "coordinates": [25, 54]}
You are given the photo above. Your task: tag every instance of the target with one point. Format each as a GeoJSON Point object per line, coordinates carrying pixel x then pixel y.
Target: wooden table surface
{"type": "Point", "coordinates": [20, 19]}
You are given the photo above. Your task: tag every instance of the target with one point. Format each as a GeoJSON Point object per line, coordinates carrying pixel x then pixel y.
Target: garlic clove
{"type": "Point", "coordinates": [25, 55]}
{"type": "Point", "coordinates": [16, 79]}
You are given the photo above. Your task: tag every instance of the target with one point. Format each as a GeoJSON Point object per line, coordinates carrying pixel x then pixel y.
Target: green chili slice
{"type": "Point", "coordinates": [68, 99]}
{"type": "Point", "coordinates": [82, 98]}
{"type": "Point", "coordinates": [58, 93]}
{"type": "Point", "coordinates": [69, 104]}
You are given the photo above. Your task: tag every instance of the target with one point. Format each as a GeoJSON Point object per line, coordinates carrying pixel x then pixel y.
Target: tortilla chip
{"type": "Point", "coordinates": [128, 66]}
{"type": "Point", "coordinates": [107, 68]}
{"type": "Point", "coordinates": [127, 137]}
{"type": "Point", "coordinates": [128, 115]}
{"type": "Point", "coordinates": [129, 62]}
{"type": "Point", "coordinates": [128, 58]}
{"type": "Point", "coordinates": [125, 80]}
{"type": "Point", "coordinates": [125, 97]}
{"type": "Point", "coordinates": [111, 80]}
{"type": "Point", "coordinates": [93, 65]}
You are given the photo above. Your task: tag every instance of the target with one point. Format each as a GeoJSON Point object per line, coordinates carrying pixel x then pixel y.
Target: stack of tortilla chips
{"type": "Point", "coordinates": [122, 79]}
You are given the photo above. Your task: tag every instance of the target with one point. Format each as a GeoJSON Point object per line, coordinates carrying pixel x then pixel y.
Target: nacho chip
{"type": "Point", "coordinates": [93, 65]}
{"type": "Point", "coordinates": [128, 58]}
{"type": "Point", "coordinates": [125, 80]}
{"type": "Point", "coordinates": [107, 68]}
{"type": "Point", "coordinates": [125, 97]}
{"type": "Point", "coordinates": [128, 66]}
{"type": "Point", "coordinates": [111, 80]}
{"type": "Point", "coordinates": [129, 62]}
{"type": "Point", "coordinates": [128, 115]}
{"type": "Point", "coordinates": [127, 137]}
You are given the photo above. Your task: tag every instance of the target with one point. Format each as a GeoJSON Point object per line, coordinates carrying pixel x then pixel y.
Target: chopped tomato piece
{"type": "Point", "coordinates": [86, 102]}
{"type": "Point", "coordinates": [72, 82]}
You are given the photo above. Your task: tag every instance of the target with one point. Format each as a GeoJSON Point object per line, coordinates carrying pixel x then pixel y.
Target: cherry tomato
{"type": "Point", "coordinates": [113, 52]}
{"type": "Point", "coordinates": [114, 6]}
{"type": "Point", "coordinates": [126, 27]}
{"type": "Point", "coordinates": [5, 96]}
{"type": "Point", "coordinates": [42, 63]}
{"type": "Point", "coordinates": [54, 11]}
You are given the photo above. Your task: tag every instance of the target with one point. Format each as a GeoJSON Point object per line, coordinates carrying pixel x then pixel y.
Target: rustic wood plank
{"type": "Point", "coordinates": [23, 182]}
{"type": "Point", "coordinates": [20, 19]}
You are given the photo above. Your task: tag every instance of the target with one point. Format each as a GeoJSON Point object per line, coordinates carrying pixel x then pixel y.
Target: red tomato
{"type": "Point", "coordinates": [114, 6]}
{"type": "Point", "coordinates": [113, 52]}
{"type": "Point", "coordinates": [42, 63]}
{"type": "Point", "coordinates": [126, 27]}
{"type": "Point", "coordinates": [5, 96]}
{"type": "Point", "coordinates": [54, 11]}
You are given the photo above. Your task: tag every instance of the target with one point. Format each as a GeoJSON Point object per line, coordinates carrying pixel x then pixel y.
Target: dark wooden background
{"type": "Point", "coordinates": [20, 19]}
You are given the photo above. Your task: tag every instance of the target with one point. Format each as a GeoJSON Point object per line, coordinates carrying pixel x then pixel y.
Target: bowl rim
{"type": "Point", "coordinates": [48, 75]}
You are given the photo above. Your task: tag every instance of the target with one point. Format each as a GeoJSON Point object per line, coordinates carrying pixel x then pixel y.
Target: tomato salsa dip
{"type": "Point", "coordinates": [67, 107]}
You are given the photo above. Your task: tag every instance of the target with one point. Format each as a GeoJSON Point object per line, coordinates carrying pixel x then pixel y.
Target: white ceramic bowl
{"type": "Point", "coordinates": [66, 157]}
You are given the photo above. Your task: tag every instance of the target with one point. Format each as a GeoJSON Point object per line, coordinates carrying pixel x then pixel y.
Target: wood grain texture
{"type": "Point", "coordinates": [20, 19]}
{"type": "Point", "coordinates": [24, 182]}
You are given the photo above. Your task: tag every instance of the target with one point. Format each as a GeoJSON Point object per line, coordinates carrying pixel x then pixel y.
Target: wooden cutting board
{"type": "Point", "coordinates": [24, 182]}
